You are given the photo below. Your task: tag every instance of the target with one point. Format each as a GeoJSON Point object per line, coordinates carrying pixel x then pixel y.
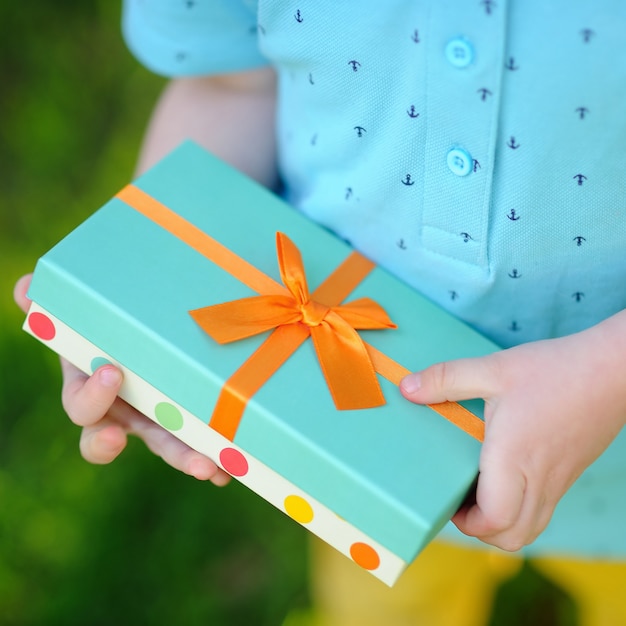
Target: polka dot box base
{"type": "Point", "coordinates": [271, 486]}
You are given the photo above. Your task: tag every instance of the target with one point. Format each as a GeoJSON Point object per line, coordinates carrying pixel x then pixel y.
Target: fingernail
{"type": "Point", "coordinates": [109, 377]}
{"type": "Point", "coordinates": [411, 383]}
{"type": "Point", "coordinates": [108, 439]}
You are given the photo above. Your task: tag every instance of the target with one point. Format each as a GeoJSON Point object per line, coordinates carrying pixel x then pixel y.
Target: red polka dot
{"type": "Point", "coordinates": [42, 326]}
{"type": "Point", "coordinates": [364, 555]}
{"type": "Point", "coordinates": [234, 462]}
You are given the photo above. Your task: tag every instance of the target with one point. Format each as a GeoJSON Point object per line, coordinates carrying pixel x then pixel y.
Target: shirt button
{"type": "Point", "coordinates": [459, 52]}
{"type": "Point", "coordinates": [460, 162]}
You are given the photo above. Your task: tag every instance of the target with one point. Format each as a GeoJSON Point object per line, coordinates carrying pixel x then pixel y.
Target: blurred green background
{"type": "Point", "coordinates": [135, 542]}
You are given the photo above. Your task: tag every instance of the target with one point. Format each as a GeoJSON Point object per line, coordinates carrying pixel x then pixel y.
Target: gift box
{"type": "Point", "coordinates": [233, 318]}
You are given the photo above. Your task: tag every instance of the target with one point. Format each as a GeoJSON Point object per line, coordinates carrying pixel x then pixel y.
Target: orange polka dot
{"type": "Point", "coordinates": [364, 555]}
{"type": "Point", "coordinates": [298, 509]}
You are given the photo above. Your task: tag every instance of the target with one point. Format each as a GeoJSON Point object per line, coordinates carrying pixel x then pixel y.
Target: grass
{"type": "Point", "coordinates": [134, 542]}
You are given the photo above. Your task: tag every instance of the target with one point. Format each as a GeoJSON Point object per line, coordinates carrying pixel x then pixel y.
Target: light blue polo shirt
{"type": "Point", "coordinates": [477, 149]}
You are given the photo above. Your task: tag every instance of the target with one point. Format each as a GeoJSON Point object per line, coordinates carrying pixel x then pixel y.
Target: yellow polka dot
{"type": "Point", "coordinates": [299, 509]}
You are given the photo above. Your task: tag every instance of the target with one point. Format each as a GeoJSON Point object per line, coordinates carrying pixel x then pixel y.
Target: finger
{"type": "Point", "coordinates": [103, 442]}
{"type": "Point", "coordinates": [173, 451]}
{"type": "Point", "coordinates": [87, 399]}
{"type": "Point", "coordinates": [461, 379]}
{"type": "Point", "coordinates": [521, 533]}
{"type": "Point", "coordinates": [20, 290]}
{"type": "Point", "coordinates": [502, 513]}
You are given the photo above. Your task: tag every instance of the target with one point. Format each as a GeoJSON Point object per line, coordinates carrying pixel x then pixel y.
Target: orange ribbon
{"type": "Point", "coordinates": [335, 325]}
{"type": "Point", "coordinates": [343, 357]}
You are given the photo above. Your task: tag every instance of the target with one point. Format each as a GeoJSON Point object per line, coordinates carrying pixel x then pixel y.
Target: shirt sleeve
{"type": "Point", "coordinates": [192, 37]}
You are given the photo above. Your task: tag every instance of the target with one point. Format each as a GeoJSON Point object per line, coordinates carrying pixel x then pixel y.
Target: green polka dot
{"type": "Point", "coordinates": [99, 361]}
{"type": "Point", "coordinates": [168, 416]}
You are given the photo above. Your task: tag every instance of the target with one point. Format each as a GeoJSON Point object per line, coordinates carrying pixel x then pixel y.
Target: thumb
{"type": "Point", "coordinates": [462, 379]}
{"type": "Point", "coordinates": [19, 292]}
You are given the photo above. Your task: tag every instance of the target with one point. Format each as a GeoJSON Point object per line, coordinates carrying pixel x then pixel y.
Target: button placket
{"type": "Point", "coordinates": [462, 128]}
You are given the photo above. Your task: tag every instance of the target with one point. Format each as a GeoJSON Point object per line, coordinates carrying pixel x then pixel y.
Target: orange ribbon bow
{"type": "Point", "coordinates": [343, 357]}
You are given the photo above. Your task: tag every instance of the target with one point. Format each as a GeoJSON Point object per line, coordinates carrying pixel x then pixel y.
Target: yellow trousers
{"type": "Point", "coordinates": [450, 585]}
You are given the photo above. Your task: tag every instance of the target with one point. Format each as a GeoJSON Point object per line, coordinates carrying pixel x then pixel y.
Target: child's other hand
{"type": "Point", "coordinates": [551, 408]}
{"type": "Point", "coordinates": [106, 420]}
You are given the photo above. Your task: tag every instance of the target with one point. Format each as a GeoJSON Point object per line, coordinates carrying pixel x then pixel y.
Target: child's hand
{"type": "Point", "coordinates": [552, 407]}
{"type": "Point", "coordinates": [106, 420]}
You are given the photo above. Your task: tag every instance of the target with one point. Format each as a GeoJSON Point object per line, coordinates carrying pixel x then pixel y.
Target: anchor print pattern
{"type": "Point", "coordinates": [512, 143]}
{"type": "Point", "coordinates": [582, 112]}
{"type": "Point", "coordinates": [411, 112]}
{"type": "Point", "coordinates": [587, 34]}
{"type": "Point", "coordinates": [512, 215]}
{"type": "Point", "coordinates": [489, 6]}
{"type": "Point", "coordinates": [518, 217]}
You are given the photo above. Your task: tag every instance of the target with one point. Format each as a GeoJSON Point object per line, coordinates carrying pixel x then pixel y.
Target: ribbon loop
{"type": "Point", "coordinates": [232, 321]}
{"type": "Point", "coordinates": [292, 268]}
